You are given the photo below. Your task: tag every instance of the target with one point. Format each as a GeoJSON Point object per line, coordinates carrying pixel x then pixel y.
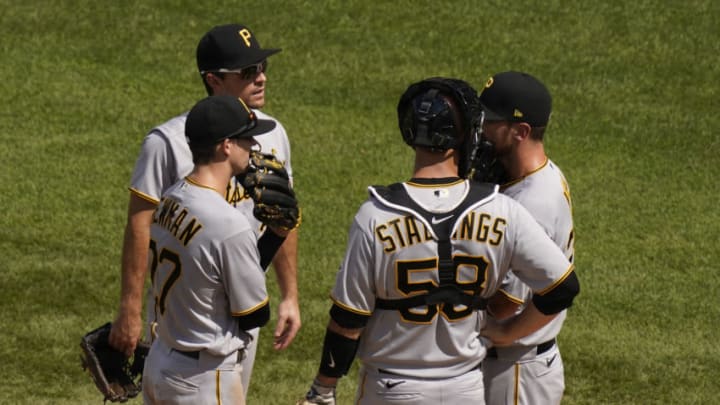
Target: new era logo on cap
{"type": "Point", "coordinates": [517, 97]}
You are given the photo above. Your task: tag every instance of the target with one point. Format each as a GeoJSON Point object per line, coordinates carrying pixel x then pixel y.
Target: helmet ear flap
{"type": "Point", "coordinates": [406, 127]}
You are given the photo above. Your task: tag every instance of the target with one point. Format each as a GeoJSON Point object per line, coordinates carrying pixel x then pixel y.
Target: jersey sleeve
{"type": "Point", "coordinates": [155, 168]}
{"type": "Point", "coordinates": [286, 155]}
{"type": "Point", "coordinates": [242, 276]}
{"type": "Point", "coordinates": [514, 289]}
{"type": "Point", "coordinates": [277, 143]}
{"type": "Point", "coordinates": [354, 289]}
{"type": "Point", "coordinates": [537, 260]}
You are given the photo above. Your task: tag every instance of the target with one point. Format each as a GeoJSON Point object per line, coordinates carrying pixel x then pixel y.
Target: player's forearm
{"type": "Point", "coordinates": [501, 306]}
{"type": "Point", "coordinates": [528, 321]}
{"type": "Point", "coordinates": [134, 270]}
{"type": "Point", "coordinates": [136, 244]}
{"type": "Point", "coordinates": [342, 343]}
{"type": "Point", "coordinates": [285, 264]}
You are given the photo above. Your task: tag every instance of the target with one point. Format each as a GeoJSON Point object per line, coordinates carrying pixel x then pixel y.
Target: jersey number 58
{"type": "Point", "coordinates": [469, 273]}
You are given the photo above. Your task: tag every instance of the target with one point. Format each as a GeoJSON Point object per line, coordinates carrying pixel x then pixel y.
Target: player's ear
{"type": "Point", "coordinates": [521, 130]}
{"type": "Point", "coordinates": [213, 81]}
{"type": "Point", "coordinates": [225, 146]}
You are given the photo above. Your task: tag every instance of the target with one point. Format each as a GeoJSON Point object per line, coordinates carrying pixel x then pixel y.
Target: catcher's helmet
{"type": "Point", "coordinates": [427, 119]}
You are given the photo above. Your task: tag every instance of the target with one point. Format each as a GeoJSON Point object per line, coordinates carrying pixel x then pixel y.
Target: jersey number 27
{"type": "Point", "coordinates": [157, 258]}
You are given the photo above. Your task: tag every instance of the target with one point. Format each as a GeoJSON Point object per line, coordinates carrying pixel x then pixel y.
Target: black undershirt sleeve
{"type": "Point", "coordinates": [560, 297]}
{"type": "Point", "coordinates": [268, 245]}
{"type": "Point", "coordinates": [255, 319]}
{"type": "Point", "coordinates": [348, 319]}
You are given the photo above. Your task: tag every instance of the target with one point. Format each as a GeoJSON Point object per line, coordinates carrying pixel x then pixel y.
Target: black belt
{"type": "Point", "coordinates": [196, 354]}
{"type": "Point", "coordinates": [383, 371]}
{"type": "Point", "coordinates": [193, 355]}
{"type": "Point", "coordinates": [541, 348]}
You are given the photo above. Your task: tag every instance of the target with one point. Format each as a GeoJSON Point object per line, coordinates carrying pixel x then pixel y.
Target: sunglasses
{"type": "Point", "coordinates": [247, 72]}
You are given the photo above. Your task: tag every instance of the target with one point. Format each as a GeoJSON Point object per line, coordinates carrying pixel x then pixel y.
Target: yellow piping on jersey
{"type": "Point", "coordinates": [144, 196]}
{"type": "Point", "coordinates": [458, 181]}
{"type": "Point", "coordinates": [558, 281]}
{"type": "Point", "coordinates": [195, 183]}
{"type": "Point", "coordinates": [349, 309]}
{"type": "Point", "coordinates": [510, 183]}
{"type": "Point", "coordinates": [514, 299]}
{"type": "Point", "coordinates": [253, 309]}
{"type": "Point", "coordinates": [217, 387]}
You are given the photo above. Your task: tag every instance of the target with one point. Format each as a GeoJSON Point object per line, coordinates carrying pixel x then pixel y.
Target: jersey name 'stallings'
{"type": "Point", "coordinates": [546, 195]}
{"type": "Point", "coordinates": [393, 256]}
{"type": "Point", "coordinates": [204, 268]}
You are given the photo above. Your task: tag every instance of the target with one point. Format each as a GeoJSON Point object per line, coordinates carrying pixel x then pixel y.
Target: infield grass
{"type": "Point", "coordinates": [634, 128]}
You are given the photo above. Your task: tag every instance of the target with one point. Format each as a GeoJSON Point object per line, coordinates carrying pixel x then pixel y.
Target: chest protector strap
{"type": "Point", "coordinates": [448, 292]}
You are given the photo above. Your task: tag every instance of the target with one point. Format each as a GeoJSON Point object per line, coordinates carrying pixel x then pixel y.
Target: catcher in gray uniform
{"type": "Point", "coordinates": [517, 109]}
{"type": "Point", "coordinates": [208, 286]}
{"type": "Point", "coordinates": [422, 258]}
{"type": "Point", "coordinates": [231, 62]}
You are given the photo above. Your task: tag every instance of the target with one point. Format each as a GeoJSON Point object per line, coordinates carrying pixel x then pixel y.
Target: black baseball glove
{"type": "Point", "coordinates": [486, 167]}
{"type": "Point", "coordinates": [268, 184]}
{"type": "Point", "coordinates": [117, 377]}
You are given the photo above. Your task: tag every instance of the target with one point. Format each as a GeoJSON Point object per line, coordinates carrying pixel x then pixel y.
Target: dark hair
{"type": "Point", "coordinates": [208, 88]}
{"type": "Point", "coordinates": [537, 133]}
{"type": "Point", "coordinates": [203, 154]}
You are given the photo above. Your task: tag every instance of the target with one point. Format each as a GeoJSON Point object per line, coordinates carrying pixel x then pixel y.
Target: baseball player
{"type": "Point", "coordinates": [422, 258]}
{"type": "Point", "coordinates": [517, 108]}
{"type": "Point", "coordinates": [230, 61]}
{"type": "Point", "coordinates": [208, 287]}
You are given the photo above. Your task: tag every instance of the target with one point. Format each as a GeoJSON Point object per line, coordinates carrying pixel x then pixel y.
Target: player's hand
{"type": "Point", "coordinates": [318, 394]}
{"type": "Point", "coordinates": [496, 333]}
{"type": "Point", "coordinates": [125, 333]}
{"type": "Point", "coordinates": [288, 323]}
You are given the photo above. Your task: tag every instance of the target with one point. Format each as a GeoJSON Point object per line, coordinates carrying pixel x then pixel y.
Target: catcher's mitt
{"type": "Point", "coordinates": [486, 167]}
{"type": "Point", "coordinates": [268, 184]}
{"type": "Point", "coordinates": [117, 378]}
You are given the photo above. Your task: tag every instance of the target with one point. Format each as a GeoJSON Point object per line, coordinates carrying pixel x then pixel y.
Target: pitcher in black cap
{"type": "Point", "coordinates": [517, 109]}
{"type": "Point", "coordinates": [231, 62]}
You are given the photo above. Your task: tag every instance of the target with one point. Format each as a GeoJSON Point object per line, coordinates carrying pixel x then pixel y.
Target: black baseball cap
{"type": "Point", "coordinates": [215, 118]}
{"type": "Point", "coordinates": [230, 46]}
{"type": "Point", "coordinates": [517, 97]}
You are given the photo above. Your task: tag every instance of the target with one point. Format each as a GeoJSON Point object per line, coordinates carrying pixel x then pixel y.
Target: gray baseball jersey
{"type": "Point", "coordinates": [205, 270]}
{"type": "Point", "coordinates": [546, 195]}
{"type": "Point", "coordinates": [531, 371]}
{"type": "Point", "coordinates": [165, 158]}
{"type": "Point", "coordinates": [393, 254]}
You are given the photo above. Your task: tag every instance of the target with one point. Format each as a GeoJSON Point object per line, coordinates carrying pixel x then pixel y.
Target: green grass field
{"type": "Point", "coordinates": [634, 127]}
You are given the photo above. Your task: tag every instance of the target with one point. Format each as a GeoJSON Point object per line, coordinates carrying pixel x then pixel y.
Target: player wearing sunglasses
{"type": "Point", "coordinates": [231, 62]}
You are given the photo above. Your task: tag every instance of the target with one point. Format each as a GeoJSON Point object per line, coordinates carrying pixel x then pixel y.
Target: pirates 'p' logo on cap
{"type": "Point", "coordinates": [245, 35]}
